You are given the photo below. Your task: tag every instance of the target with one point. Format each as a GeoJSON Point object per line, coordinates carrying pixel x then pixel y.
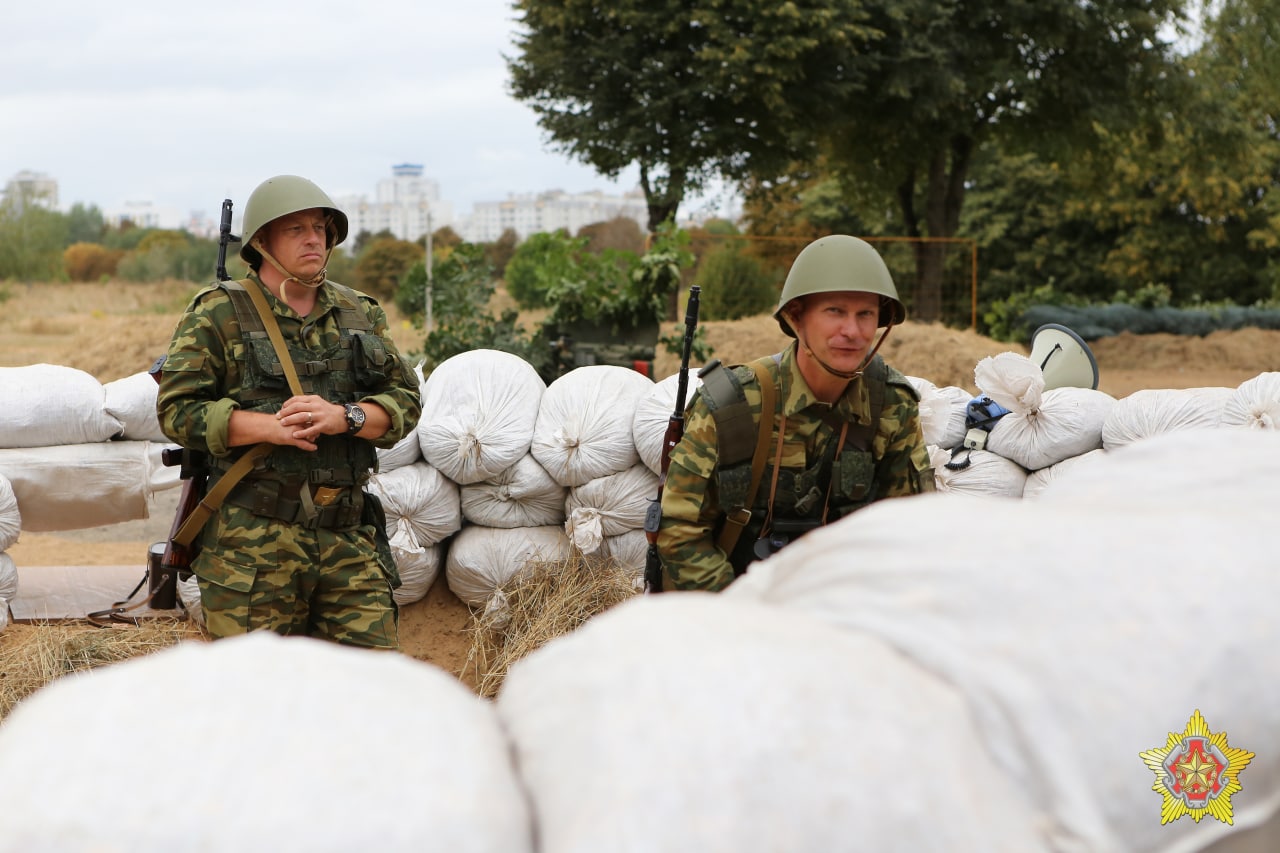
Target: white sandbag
{"type": "Point", "coordinates": [74, 486]}
{"type": "Point", "coordinates": [161, 476]}
{"type": "Point", "coordinates": [309, 717]}
{"type": "Point", "coordinates": [710, 724]}
{"type": "Point", "coordinates": [132, 401]}
{"type": "Point", "coordinates": [1042, 427]}
{"type": "Point", "coordinates": [629, 549]}
{"type": "Point", "coordinates": [1105, 617]}
{"type": "Point", "coordinates": [584, 423]}
{"type": "Point", "coordinates": [653, 413]}
{"type": "Point", "coordinates": [1046, 478]}
{"type": "Point", "coordinates": [8, 577]}
{"type": "Point", "coordinates": [1149, 412]}
{"type": "Point", "coordinates": [419, 502]}
{"type": "Point", "coordinates": [524, 495]}
{"type": "Point", "coordinates": [418, 567]}
{"type": "Point", "coordinates": [609, 506]}
{"type": "Point", "coordinates": [404, 452]}
{"type": "Point", "coordinates": [189, 595]}
{"type": "Point", "coordinates": [942, 412]}
{"type": "Point", "coordinates": [10, 516]}
{"type": "Point", "coordinates": [1255, 404]}
{"type": "Point", "coordinates": [984, 473]}
{"type": "Point", "coordinates": [482, 559]}
{"type": "Point", "coordinates": [45, 404]}
{"type": "Point", "coordinates": [478, 414]}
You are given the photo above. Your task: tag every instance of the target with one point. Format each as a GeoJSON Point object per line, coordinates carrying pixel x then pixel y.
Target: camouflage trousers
{"type": "Point", "coordinates": [258, 573]}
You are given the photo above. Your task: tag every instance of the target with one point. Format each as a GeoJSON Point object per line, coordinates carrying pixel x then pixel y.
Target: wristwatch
{"type": "Point", "coordinates": [355, 418]}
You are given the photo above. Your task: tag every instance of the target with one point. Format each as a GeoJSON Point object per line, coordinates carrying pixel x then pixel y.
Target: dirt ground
{"type": "Point", "coordinates": [115, 330]}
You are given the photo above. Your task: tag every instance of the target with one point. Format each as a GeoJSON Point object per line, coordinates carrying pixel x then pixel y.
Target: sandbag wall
{"type": "Point", "coordinates": [74, 453]}
{"type": "Point", "coordinates": [922, 675]}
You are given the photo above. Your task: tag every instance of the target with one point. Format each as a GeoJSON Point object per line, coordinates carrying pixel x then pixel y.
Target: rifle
{"type": "Point", "coordinates": [675, 431]}
{"type": "Point", "coordinates": [193, 469]}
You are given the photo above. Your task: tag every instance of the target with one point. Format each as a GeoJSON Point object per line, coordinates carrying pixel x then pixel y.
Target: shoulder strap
{"type": "Point", "coordinates": [736, 518]}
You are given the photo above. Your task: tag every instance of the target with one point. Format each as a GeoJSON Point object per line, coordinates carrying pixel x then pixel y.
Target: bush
{"type": "Point", "coordinates": [90, 261]}
{"type": "Point", "coordinates": [540, 263]}
{"type": "Point", "coordinates": [383, 263]}
{"type": "Point", "coordinates": [735, 285]}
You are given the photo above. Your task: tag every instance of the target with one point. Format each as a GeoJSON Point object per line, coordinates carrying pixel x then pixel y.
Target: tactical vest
{"type": "Point", "coordinates": [838, 480]}
{"type": "Point", "coordinates": [342, 374]}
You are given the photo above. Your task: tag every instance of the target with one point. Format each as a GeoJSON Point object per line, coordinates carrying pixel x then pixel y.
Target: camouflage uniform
{"type": "Point", "coordinates": [897, 464]}
{"type": "Point", "coordinates": [257, 569]}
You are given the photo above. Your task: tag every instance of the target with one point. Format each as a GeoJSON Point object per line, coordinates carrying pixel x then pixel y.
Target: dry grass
{"type": "Point", "coordinates": [34, 655]}
{"type": "Point", "coordinates": [545, 600]}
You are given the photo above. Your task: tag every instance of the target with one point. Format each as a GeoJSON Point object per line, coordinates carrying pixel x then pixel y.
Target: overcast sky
{"type": "Point", "coordinates": [184, 105]}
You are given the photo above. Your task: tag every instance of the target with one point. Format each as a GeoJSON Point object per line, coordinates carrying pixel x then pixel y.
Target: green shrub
{"type": "Point", "coordinates": [735, 285]}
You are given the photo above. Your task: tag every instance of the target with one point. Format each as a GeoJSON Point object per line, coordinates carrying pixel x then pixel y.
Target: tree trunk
{"type": "Point", "coordinates": [944, 198]}
{"type": "Point", "coordinates": [663, 202]}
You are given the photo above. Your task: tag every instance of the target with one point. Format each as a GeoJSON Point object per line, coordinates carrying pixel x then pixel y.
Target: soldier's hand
{"type": "Point", "coordinates": [306, 418]}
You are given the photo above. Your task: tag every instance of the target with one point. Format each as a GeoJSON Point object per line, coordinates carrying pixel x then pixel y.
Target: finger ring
{"type": "Point", "coordinates": [309, 419]}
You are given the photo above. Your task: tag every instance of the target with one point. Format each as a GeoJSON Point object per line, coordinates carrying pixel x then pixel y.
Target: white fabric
{"type": "Point", "coordinates": [653, 413]}
{"type": "Point", "coordinates": [630, 549]}
{"type": "Point", "coordinates": [1046, 478]}
{"type": "Point", "coordinates": [418, 567]}
{"type": "Point", "coordinates": [524, 495]}
{"type": "Point", "coordinates": [421, 505]}
{"type": "Point", "coordinates": [74, 486]}
{"type": "Point", "coordinates": [1255, 404]}
{"type": "Point", "coordinates": [159, 475]}
{"type": "Point", "coordinates": [1098, 620]}
{"type": "Point", "coordinates": [10, 516]}
{"type": "Point", "coordinates": [584, 423]}
{"type": "Point", "coordinates": [693, 722]}
{"type": "Point", "coordinates": [132, 401]}
{"type": "Point", "coordinates": [1145, 413]}
{"type": "Point", "coordinates": [481, 559]}
{"type": "Point", "coordinates": [609, 506]}
{"type": "Point", "coordinates": [987, 474]}
{"type": "Point", "coordinates": [1042, 427]}
{"type": "Point", "coordinates": [294, 732]}
{"type": "Point", "coordinates": [45, 404]}
{"type": "Point", "coordinates": [8, 578]}
{"type": "Point", "coordinates": [479, 409]}
{"type": "Point", "coordinates": [404, 452]}
{"type": "Point", "coordinates": [189, 595]}
{"type": "Point", "coordinates": [942, 412]}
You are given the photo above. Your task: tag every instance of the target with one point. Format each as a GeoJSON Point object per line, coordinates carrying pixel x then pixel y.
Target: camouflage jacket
{"type": "Point", "coordinates": [691, 512]}
{"type": "Point", "coordinates": [204, 376]}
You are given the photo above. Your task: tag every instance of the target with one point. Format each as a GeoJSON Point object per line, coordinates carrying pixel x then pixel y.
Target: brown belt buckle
{"type": "Point", "coordinates": [326, 495]}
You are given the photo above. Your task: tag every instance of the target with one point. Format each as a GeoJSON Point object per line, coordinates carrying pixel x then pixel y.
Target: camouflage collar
{"type": "Point", "coordinates": [799, 396]}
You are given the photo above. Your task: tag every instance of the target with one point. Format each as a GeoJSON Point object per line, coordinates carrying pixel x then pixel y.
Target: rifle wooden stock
{"type": "Point", "coordinates": [675, 432]}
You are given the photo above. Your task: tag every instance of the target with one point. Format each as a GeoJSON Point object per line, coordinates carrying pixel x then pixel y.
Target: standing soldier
{"type": "Point", "coordinates": [297, 546]}
{"type": "Point", "coordinates": [842, 428]}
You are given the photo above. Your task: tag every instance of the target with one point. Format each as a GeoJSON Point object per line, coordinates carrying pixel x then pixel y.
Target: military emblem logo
{"type": "Point", "coordinates": [1196, 772]}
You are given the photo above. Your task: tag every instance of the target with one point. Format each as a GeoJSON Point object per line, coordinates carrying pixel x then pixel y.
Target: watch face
{"type": "Point", "coordinates": [355, 417]}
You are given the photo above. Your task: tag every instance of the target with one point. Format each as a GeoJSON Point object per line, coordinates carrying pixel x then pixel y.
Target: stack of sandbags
{"type": "Point", "coordinates": [1255, 404]}
{"type": "Point", "coordinates": [1151, 412]}
{"type": "Point", "coordinates": [1039, 481]}
{"type": "Point", "coordinates": [44, 405]}
{"type": "Point", "coordinates": [977, 472]}
{"type": "Point", "coordinates": [524, 495]}
{"type": "Point", "coordinates": [10, 527]}
{"type": "Point", "coordinates": [1098, 618]}
{"type": "Point", "coordinates": [1043, 426]}
{"type": "Point", "coordinates": [319, 713]}
{"type": "Point", "coordinates": [653, 414]}
{"type": "Point", "coordinates": [422, 510]}
{"type": "Point", "coordinates": [479, 409]}
{"type": "Point", "coordinates": [715, 724]}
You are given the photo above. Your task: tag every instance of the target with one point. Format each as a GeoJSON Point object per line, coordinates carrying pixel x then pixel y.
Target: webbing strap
{"type": "Point", "coordinates": [736, 520]}
{"type": "Point", "coordinates": [277, 339]}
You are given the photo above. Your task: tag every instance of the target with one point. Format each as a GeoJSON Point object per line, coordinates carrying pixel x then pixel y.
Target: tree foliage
{"type": "Point", "coordinates": [383, 263]}
{"type": "Point", "coordinates": [734, 284]}
{"type": "Point", "coordinates": [90, 261]}
{"type": "Point", "coordinates": [684, 91]}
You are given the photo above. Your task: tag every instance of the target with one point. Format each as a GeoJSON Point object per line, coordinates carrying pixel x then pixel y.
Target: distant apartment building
{"type": "Point", "coordinates": [406, 204]}
{"type": "Point", "coordinates": [31, 189]}
{"type": "Point", "coordinates": [145, 214]}
{"type": "Point", "coordinates": [535, 213]}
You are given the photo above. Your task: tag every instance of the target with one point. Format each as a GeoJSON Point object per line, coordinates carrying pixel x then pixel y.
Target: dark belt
{"type": "Point", "coordinates": [263, 497]}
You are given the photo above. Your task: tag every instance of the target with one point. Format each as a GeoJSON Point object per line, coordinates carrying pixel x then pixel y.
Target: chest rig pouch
{"type": "Point", "coordinates": [838, 480]}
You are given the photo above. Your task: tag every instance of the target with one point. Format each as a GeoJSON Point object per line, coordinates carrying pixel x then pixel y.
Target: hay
{"type": "Point", "coordinates": [544, 600]}
{"type": "Point", "coordinates": [33, 655]}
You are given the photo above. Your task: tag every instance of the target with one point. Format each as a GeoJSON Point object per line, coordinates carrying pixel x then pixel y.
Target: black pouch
{"type": "Point", "coordinates": [371, 360]}
{"type": "Point", "coordinates": [373, 514]}
{"type": "Point", "coordinates": [856, 471]}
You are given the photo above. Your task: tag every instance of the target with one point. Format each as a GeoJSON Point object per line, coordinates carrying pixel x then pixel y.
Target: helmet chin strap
{"type": "Point", "coordinates": [313, 282]}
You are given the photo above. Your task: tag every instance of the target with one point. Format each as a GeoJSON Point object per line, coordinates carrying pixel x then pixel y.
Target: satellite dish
{"type": "Point", "coordinates": [1064, 358]}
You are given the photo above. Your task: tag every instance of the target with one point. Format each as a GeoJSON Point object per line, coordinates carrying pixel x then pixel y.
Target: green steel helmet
{"type": "Point", "coordinates": [836, 264]}
{"type": "Point", "coordinates": [280, 196]}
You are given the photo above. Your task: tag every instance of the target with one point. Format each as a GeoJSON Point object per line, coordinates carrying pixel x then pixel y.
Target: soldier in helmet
{"type": "Point", "coordinates": [842, 428]}
{"type": "Point", "coordinates": [297, 546]}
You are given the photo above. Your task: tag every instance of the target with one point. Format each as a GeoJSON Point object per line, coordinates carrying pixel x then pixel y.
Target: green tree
{"type": "Point", "coordinates": [735, 285]}
{"type": "Point", "coordinates": [32, 239]}
{"type": "Point", "coordinates": [539, 263]}
{"type": "Point", "coordinates": [382, 265]}
{"type": "Point", "coordinates": [684, 91]}
{"type": "Point", "coordinates": [84, 224]}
